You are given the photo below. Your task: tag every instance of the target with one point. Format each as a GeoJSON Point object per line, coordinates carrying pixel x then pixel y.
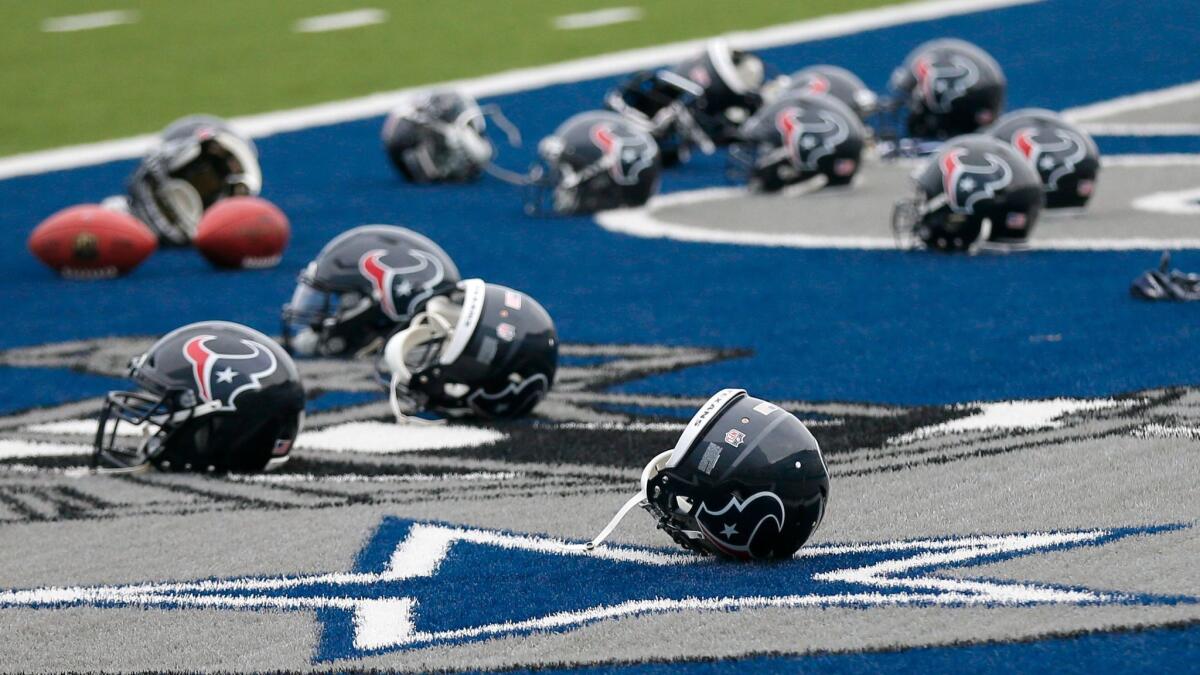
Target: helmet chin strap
{"type": "Point", "coordinates": [638, 499]}
{"type": "Point", "coordinates": [426, 326]}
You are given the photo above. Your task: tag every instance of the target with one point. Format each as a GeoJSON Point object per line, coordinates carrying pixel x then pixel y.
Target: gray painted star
{"type": "Point", "coordinates": [728, 531]}
{"type": "Point", "coordinates": [404, 287]}
{"type": "Point", "coordinates": [1046, 162]}
{"type": "Point", "coordinates": [808, 142]}
{"type": "Point", "coordinates": [968, 183]}
{"type": "Point", "coordinates": [226, 375]}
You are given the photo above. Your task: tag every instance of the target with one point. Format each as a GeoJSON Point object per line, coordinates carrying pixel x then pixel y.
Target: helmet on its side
{"type": "Point", "coordinates": [438, 137]}
{"type": "Point", "coordinates": [198, 161]}
{"type": "Point", "coordinates": [746, 480]}
{"type": "Point", "coordinates": [485, 350]}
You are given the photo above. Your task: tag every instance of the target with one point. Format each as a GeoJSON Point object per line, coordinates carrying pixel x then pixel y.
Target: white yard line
{"type": "Point", "coordinates": [340, 21]}
{"type": "Point", "coordinates": [600, 17]}
{"type": "Point", "coordinates": [1141, 128]}
{"type": "Point", "coordinates": [267, 124]}
{"type": "Point", "coordinates": [76, 22]}
{"type": "Point", "coordinates": [1123, 104]}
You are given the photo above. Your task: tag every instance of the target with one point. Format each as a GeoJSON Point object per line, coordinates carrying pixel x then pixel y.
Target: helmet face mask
{"type": "Point", "coordinates": [211, 396]}
{"type": "Point", "coordinates": [486, 351]}
{"type": "Point", "coordinates": [331, 323]}
{"type": "Point", "coordinates": [197, 163]}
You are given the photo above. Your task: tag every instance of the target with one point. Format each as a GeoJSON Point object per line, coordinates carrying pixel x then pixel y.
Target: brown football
{"type": "Point", "coordinates": [239, 232]}
{"type": "Point", "coordinates": [92, 242]}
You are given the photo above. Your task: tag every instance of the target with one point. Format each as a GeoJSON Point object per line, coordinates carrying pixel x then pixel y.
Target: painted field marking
{"type": "Point", "coordinates": [600, 17]}
{"type": "Point", "coordinates": [76, 22]}
{"type": "Point", "coordinates": [340, 21]}
{"type": "Point", "coordinates": [644, 222]}
{"type": "Point", "coordinates": [507, 82]}
{"type": "Point", "coordinates": [1141, 129]}
{"type": "Point", "coordinates": [1140, 101]}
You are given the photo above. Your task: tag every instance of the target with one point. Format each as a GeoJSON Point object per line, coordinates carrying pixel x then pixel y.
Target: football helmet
{"type": "Point", "coordinates": [833, 81]}
{"type": "Point", "coordinates": [484, 350]}
{"type": "Point", "coordinates": [212, 396]}
{"type": "Point", "coordinates": [797, 138]}
{"type": "Point", "coordinates": [977, 191]}
{"type": "Point", "coordinates": [595, 160]}
{"type": "Point", "coordinates": [948, 87]}
{"type": "Point", "coordinates": [1064, 155]}
{"type": "Point", "coordinates": [363, 285]}
{"type": "Point", "coordinates": [197, 161]}
{"type": "Point", "coordinates": [730, 80]}
{"type": "Point", "coordinates": [746, 480]}
{"type": "Point", "coordinates": [440, 137]}
{"type": "Point", "coordinates": [662, 102]}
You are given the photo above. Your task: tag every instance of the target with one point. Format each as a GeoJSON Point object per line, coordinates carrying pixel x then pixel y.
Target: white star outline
{"type": "Point", "coordinates": [390, 622]}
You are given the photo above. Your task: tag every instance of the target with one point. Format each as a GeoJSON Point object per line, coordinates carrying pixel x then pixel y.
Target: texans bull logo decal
{"type": "Point", "coordinates": [810, 135]}
{"type": "Point", "coordinates": [626, 154]}
{"type": "Point", "coordinates": [966, 184]}
{"type": "Point", "coordinates": [944, 82]}
{"type": "Point", "coordinates": [1055, 152]}
{"type": "Point", "coordinates": [735, 527]}
{"type": "Point", "coordinates": [223, 377]}
{"type": "Point", "coordinates": [393, 286]}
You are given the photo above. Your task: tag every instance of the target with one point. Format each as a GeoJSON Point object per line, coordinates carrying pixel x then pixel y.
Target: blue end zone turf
{"type": "Point", "coordinates": [1163, 650]}
{"type": "Point", "coordinates": [853, 325]}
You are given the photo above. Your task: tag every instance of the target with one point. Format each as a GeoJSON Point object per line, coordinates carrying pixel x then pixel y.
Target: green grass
{"type": "Point", "coordinates": [235, 57]}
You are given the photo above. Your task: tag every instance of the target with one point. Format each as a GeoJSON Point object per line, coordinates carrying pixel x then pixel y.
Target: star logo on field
{"type": "Point", "coordinates": [417, 584]}
{"type": "Point", "coordinates": [226, 375]}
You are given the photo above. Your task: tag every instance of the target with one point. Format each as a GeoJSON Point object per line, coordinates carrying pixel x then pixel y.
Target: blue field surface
{"type": "Point", "coordinates": [882, 326]}
{"type": "Point", "coordinates": [1163, 650]}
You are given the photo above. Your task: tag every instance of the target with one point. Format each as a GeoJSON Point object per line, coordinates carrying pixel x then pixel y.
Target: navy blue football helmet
{"type": "Point", "coordinates": [439, 137]}
{"type": "Point", "coordinates": [746, 480]}
{"type": "Point", "coordinates": [365, 284]}
{"type": "Point", "coordinates": [1064, 155]}
{"type": "Point", "coordinates": [975, 193]}
{"type": "Point", "coordinates": [483, 350]}
{"type": "Point", "coordinates": [197, 161]}
{"type": "Point", "coordinates": [212, 396]}
{"type": "Point", "coordinates": [595, 160]}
